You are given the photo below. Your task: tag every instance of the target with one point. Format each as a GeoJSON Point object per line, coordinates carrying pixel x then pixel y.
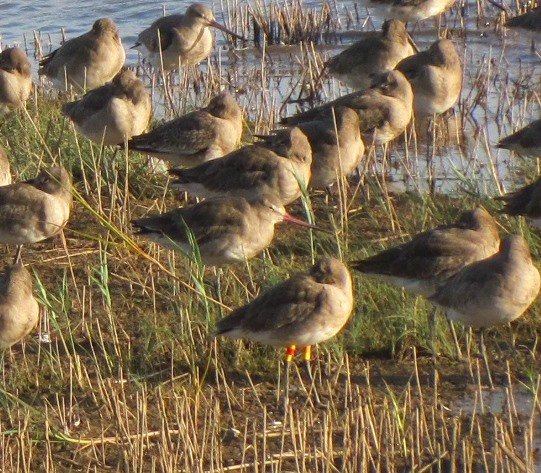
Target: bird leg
{"type": "Point", "coordinates": [432, 330]}
{"type": "Point", "coordinates": [290, 353]}
{"type": "Point", "coordinates": [411, 41]}
{"type": "Point", "coordinates": [484, 355]}
{"type": "Point", "coordinates": [469, 337]}
{"type": "Point", "coordinates": [455, 339]}
{"type": "Point", "coordinates": [307, 360]}
{"type": "Point", "coordinates": [218, 272]}
{"type": "Point", "coordinates": [18, 255]}
{"type": "Point", "coordinates": [430, 153]}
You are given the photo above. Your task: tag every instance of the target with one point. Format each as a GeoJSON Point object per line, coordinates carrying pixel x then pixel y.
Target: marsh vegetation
{"type": "Point", "coordinates": [123, 373]}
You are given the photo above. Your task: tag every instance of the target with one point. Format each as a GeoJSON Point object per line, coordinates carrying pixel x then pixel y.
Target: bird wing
{"type": "Point", "coordinates": [524, 201]}
{"type": "Point", "coordinates": [212, 219]}
{"type": "Point", "coordinates": [189, 134]}
{"type": "Point", "coordinates": [46, 60]}
{"type": "Point", "coordinates": [90, 103]}
{"type": "Point", "coordinates": [530, 20]}
{"type": "Point", "coordinates": [436, 253]}
{"type": "Point", "coordinates": [207, 221]}
{"type": "Point", "coordinates": [306, 116]}
{"type": "Point", "coordinates": [372, 110]}
{"type": "Point", "coordinates": [70, 51]}
{"type": "Point", "coordinates": [403, 3]}
{"type": "Point", "coordinates": [320, 133]}
{"type": "Point", "coordinates": [242, 169]}
{"type": "Point", "coordinates": [289, 302]}
{"type": "Point", "coordinates": [21, 206]}
{"type": "Point", "coordinates": [367, 104]}
{"type": "Point", "coordinates": [461, 292]}
{"type": "Point", "coordinates": [526, 137]}
{"type": "Point", "coordinates": [534, 206]}
{"type": "Point", "coordinates": [361, 52]}
{"type": "Point", "coordinates": [160, 33]}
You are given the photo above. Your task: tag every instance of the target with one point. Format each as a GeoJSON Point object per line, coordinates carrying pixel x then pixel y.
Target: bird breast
{"type": "Point", "coordinates": [194, 45]}
{"type": "Point", "coordinates": [235, 247]}
{"type": "Point", "coordinates": [501, 299]}
{"type": "Point", "coordinates": [289, 177]}
{"type": "Point", "coordinates": [14, 90]}
{"type": "Point", "coordinates": [188, 48]}
{"type": "Point", "coordinates": [229, 131]}
{"type": "Point", "coordinates": [103, 63]}
{"type": "Point", "coordinates": [56, 213]}
{"type": "Point", "coordinates": [18, 315]}
{"type": "Point", "coordinates": [113, 123]}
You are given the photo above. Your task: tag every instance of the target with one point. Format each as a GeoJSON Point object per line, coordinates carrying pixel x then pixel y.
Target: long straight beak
{"type": "Point", "coordinates": [217, 25]}
{"type": "Point", "coordinates": [297, 221]}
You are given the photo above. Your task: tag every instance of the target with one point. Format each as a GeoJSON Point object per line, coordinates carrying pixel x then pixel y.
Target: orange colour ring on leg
{"type": "Point", "coordinates": [290, 352]}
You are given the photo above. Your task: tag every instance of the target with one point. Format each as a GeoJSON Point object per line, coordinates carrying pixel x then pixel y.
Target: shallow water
{"type": "Point", "coordinates": [518, 402]}
{"type": "Point", "coordinates": [500, 79]}
{"type": "Point", "coordinates": [18, 19]}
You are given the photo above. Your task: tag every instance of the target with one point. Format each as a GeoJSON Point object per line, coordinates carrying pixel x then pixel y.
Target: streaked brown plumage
{"type": "Point", "coordinates": [19, 311]}
{"type": "Point", "coordinates": [87, 61]}
{"type": "Point", "coordinates": [275, 165]}
{"type": "Point", "coordinates": [435, 76]}
{"type": "Point", "coordinates": [384, 110]}
{"type": "Point", "coordinates": [15, 79]}
{"type": "Point", "coordinates": [373, 55]}
{"type": "Point", "coordinates": [180, 39]}
{"type": "Point", "coordinates": [226, 229]}
{"type": "Point", "coordinates": [114, 112]}
{"type": "Point", "coordinates": [197, 137]}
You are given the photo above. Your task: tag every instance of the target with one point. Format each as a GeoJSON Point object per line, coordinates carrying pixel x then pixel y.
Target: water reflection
{"type": "Point", "coordinates": [517, 403]}
{"type": "Point", "coordinates": [500, 77]}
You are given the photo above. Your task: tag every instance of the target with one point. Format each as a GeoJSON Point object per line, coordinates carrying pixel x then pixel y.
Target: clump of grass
{"type": "Point", "coordinates": [286, 23]}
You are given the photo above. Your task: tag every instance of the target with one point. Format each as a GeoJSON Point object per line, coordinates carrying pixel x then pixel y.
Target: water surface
{"type": "Point", "coordinates": [500, 78]}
